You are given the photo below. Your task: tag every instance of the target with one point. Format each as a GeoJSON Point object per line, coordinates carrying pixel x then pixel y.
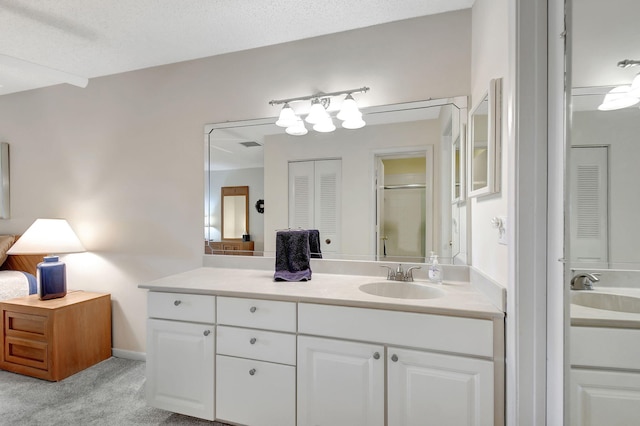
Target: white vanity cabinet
{"type": "Point", "coordinates": [340, 382]}
{"type": "Point", "coordinates": [426, 388]}
{"type": "Point", "coordinates": [439, 370]}
{"type": "Point", "coordinates": [256, 362]}
{"type": "Point", "coordinates": [180, 353]}
{"type": "Point", "coordinates": [605, 384]}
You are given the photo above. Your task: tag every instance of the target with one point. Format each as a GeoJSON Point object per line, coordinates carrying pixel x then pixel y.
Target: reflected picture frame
{"type": "Point", "coordinates": [484, 143]}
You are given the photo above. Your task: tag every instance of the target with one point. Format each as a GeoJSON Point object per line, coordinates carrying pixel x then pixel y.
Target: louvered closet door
{"type": "Point", "coordinates": [328, 180]}
{"type": "Point", "coordinates": [301, 194]}
{"type": "Point", "coordinates": [589, 177]}
{"type": "Point", "coordinates": [315, 200]}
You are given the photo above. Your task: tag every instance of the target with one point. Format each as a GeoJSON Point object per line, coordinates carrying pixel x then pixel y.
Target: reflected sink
{"type": "Point", "coordinates": [401, 290]}
{"type": "Point", "coordinates": [606, 301]}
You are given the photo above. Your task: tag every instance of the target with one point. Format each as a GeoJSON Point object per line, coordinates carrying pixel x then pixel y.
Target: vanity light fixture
{"type": "Point", "coordinates": [623, 96]}
{"type": "Point", "coordinates": [319, 116]}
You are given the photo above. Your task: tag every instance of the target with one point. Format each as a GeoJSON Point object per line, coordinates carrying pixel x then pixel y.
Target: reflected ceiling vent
{"type": "Point", "coordinates": [250, 144]}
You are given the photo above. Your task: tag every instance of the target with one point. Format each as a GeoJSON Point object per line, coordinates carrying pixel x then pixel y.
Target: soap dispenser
{"type": "Point", "coordinates": [435, 269]}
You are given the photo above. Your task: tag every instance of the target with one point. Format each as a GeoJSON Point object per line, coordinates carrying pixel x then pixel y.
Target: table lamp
{"type": "Point", "coordinates": [49, 236]}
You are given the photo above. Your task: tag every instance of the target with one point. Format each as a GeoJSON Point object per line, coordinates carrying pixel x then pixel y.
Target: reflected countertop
{"type": "Point", "coordinates": [460, 298]}
{"type": "Point", "coordinates": [592, 317]}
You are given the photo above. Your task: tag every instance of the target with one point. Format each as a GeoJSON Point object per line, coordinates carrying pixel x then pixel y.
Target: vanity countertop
{"type": "Point", "coordinates": [460, 299]}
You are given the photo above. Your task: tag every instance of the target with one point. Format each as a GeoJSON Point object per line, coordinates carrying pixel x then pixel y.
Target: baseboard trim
{"type": "Point", "coordinates": [136, 356]}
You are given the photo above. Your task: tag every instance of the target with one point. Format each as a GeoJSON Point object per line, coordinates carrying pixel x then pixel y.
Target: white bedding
{"type": "Point", "coordinates": [13, 284]}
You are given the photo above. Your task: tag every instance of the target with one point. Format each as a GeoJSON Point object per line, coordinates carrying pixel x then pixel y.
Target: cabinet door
{"type": "Point", "coordinates": [180, 357]}
{"type": "Point", "coordinates": [255, 393]}
{"type": "Point", "coordinates": [435, 389]}
{"type": "Point", "coordinates": [603, 397]}
{"type": "Point", "coordinates": [340, 383]}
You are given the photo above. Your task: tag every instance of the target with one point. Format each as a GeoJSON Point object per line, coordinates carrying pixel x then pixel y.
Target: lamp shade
{"type": "Point", "coordinates": [349, 110]}
{"type": "Point", "coordinates": [618, 98]}
{"type": "Point", "coordinates": [48, 236]}
{"type": "Point", "coordinates": [317, 113]}
{"type": "Point", "coordinates": [297, 129]}
{"type": "Point", "coordinates": [287, 117]}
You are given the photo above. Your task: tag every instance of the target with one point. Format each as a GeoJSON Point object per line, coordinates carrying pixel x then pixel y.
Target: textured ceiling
{"type": "Point", "coordinates": [91, 38]}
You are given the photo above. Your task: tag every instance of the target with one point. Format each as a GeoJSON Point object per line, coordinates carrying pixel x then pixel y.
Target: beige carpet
{"type": "Point", "coordinates": [109, 393]}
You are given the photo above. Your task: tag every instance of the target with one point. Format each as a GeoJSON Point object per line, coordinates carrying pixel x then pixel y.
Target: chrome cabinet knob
{"type": "Point", "coordinates": [253, 309]}
{"type": "Point", "coordinates": [252, 341]}
{"type": "Point", "coordinates": [376, 355]}
{"type": "Point", "coordinates": [252, 371]}
{"type": "Point", "coordinates": [394, 358]}
{"type": "Point", "coordinates": [177, 302]}
{"type": "Point", "coordinates": [207, 332]}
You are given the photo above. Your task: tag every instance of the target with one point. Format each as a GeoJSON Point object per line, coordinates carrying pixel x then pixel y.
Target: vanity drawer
{"type": "Point", "coordinates": [256, 313]}
{"type": "Point", "coordinates": [182, 307]}
{"type": "Point", "coordinates": [255, 392]}
{"type": "Point", "coordinates": [255, 344]}
{"type": "Point", "coordinates": [423, 331]}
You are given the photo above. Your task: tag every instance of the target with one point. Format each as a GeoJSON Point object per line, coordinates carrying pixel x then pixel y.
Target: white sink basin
{"type": "Point", "coordinates": [401, 290]}
{"type": "Point", "coordinates": [606, 301]}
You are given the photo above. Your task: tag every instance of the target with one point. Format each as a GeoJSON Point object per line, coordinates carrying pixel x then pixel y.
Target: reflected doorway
{"type": "Point", "coordinates": [404, 211]}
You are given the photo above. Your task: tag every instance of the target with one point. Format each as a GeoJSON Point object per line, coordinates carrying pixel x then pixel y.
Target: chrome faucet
{"type": "Point", "coordinates": [399, 274]}
{"type": "Point", "coordinates": [584, 281]}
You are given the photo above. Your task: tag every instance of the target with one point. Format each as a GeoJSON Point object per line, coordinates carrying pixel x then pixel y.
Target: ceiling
{"type": "Point", "coordinates": [69, 41]}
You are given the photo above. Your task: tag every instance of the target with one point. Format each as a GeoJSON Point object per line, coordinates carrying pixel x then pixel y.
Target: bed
{"type": "Point", "coordinates": [17, 273]}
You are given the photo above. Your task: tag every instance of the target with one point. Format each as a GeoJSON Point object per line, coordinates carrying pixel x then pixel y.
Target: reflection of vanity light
{"type": "Point", "coordinates": [318, 115]}
{"type": "Point", "coordinates": [618, 98]}
{"type": "Point", "coordinates": [623, 96]}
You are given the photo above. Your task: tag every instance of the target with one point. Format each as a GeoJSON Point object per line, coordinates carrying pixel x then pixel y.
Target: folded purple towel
{"type": "Point", "coordinates": [292, 256]}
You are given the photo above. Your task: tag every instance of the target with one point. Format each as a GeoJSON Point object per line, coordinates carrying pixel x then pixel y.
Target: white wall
{"type": "Point", "coordinates": [489, 59]}
{"type": "Point", "coordinates": [122, 159]}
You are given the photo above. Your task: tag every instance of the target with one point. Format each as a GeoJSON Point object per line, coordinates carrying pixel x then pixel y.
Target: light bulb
{"type": "Point", "coordinates": [618, 98]}
{"type": "Point", "coordinates": [325, 126]}
{"type": "Point", "coordinates": [317, 113]}
{"type": "Point", "coordinates": [287, 117]}
{"type": "Point", "coordinates": [349, 110]}
{"type": "Point", "coordinates": [356, 123]}
{"type": "Point", "coordinates": [297, 129]}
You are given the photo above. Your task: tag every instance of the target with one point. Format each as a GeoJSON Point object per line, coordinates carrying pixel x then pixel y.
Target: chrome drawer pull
{"type": "Point", "coordinates": [177, 302]}
{"type": "Point", "coordinates": [394, 358]}
{"type": "Point", "coordinates": [252, 371]}
{"type": "Point", "coordinates": [376, 355]}
{"type": "Point", "coordinates": [253, 309]}
{"type": "Point", "coordinates": [252, 341]}
{"type": "Point", "coordinates": [207, 332]}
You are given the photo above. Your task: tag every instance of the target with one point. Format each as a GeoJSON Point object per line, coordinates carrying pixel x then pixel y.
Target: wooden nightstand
{"type": "Point", "coordinates": [53, 339]}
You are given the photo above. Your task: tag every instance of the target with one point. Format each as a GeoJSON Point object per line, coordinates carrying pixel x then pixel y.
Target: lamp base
{"type": "Point", "coordinates": [52, 278]}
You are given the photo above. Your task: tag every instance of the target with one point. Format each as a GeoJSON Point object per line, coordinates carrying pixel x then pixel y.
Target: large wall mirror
{"type": "Point", "coordinates": [398, 165]}
{"type": "Point", "coordinates": [602, 175]}
{"type": "Point", "coordinates": [484, 143]}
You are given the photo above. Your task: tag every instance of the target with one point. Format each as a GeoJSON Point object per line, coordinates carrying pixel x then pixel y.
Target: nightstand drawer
{"type": "Point", "coordinates": [26, 352]}
{"type": "Point", "coordinates": [182, 307]}
{"type": "Point", "coordinates": [26, 326]}
{"type": "Point", "coordinates": [254, 344]}
{"type": "Point", "coordinates": [255, 313]}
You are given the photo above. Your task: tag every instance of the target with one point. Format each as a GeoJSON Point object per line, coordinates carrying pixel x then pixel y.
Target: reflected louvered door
{"type": "Point", "coordinates": [301, 194]}
{"type": "Point", "coordinates": [315, 199]}
{"type": "Point", "coordinates": [328, 178]}
{"type": "Point", "coordinates": [589, 206]}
